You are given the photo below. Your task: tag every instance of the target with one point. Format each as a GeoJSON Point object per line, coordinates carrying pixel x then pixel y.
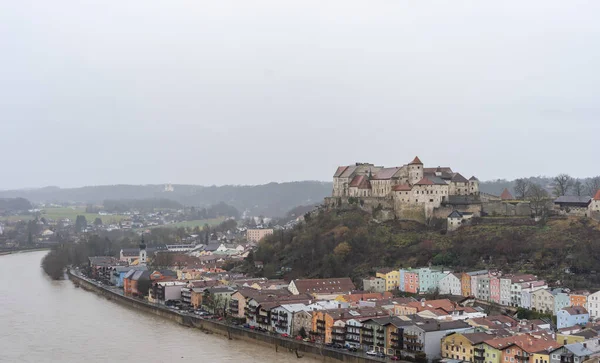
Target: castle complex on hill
{"type": "Point", "coordinates": [410, 191]}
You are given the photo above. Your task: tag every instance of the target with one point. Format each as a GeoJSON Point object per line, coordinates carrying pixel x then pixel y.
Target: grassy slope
{"type": "Point", "coordinates": [350, 244]}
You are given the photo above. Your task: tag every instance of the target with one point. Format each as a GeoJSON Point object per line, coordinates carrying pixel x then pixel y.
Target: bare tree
{"type": "Point", "coordinates": [592, 185]}
{"type": "Point", "coordinates": [562, 184]}
{"type": "Point", "coordinates": [578, 188]}
{"type": "Point", "coordinates": [538, 197]}
{"type": "Point", "coordinates": [522, 188]}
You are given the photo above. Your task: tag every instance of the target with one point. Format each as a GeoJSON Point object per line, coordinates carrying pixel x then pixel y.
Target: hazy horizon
{"type": "Point", "coordinates": [251, 92]}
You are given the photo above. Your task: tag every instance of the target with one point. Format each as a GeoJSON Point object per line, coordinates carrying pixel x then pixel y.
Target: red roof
{"type": "Point", "coordinates": [425, 181]}
{"type": "Point", "coordinates": [386, 173]}
{"type": "Point", "coordinates": [506, 195]}
{"type": "Point", "coordinates": [597, 196]}
{"type": "Point", "coordinates": [361, 182]}
{"type": "Point", "coordinates": [402, 188]}
{"type": "Point", "coordinates": [416, 160]}
{"type": "Point", "coordinates": [339, 171]}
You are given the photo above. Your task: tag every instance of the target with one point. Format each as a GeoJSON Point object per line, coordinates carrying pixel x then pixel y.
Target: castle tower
{"type": "Point", "coordinates": [415, 171]}
{"type": "Point", "coordinates": [474, 186]}
{"type": "Point", "coordinates": [143, 257]}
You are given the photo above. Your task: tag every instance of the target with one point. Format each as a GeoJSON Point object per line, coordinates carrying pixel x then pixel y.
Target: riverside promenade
{"type": "Point", "coordinates": [232, 332]}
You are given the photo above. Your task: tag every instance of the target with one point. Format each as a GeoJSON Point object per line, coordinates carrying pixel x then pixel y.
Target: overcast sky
{"type": "Point", "coordinates": [253, 91]}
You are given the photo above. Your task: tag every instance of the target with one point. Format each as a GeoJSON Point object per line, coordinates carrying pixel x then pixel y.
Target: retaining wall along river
{"type": "Point", "coordinates": [278, 343]}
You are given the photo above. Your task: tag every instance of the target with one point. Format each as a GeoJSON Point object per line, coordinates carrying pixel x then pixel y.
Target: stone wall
{"type": "Point", "coordinates": [299, 348]}
{"type": "Point", "coordinates": [500, 208]}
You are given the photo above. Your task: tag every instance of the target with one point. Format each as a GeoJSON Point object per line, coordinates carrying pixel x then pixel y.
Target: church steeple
{"type": "Point", "coordinates": [143, 255]}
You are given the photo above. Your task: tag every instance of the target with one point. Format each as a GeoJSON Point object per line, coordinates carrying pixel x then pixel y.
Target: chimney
{"type": "Point", "coordinates": [585, 345]}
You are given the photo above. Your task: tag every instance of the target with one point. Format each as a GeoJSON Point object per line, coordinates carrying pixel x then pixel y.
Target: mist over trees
{"type": "Point", "coordinates": [271, 200]}
{"type": "Point", "coordinates": [15, 204]}
{"type": "Point", "coordinates": [562, 184]}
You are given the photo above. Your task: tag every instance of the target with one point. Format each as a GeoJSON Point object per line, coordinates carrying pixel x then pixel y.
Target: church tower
{"type": "Point", "coordinates": [143, 257]}
{"type": "Point", "coordinates": [415, 171]}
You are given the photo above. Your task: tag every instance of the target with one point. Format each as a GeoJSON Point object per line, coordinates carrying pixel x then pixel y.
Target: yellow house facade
{"type": "Point", "coordinates": [489, 353]}
{"type": "Point", "coordinates": [540, 358]}
{"type": "Point", "coordinates": [391, 277]}
{"type": "Point", "coordinates": [569, 339]}
{"type": "Point", "coordinates": [462, 346]}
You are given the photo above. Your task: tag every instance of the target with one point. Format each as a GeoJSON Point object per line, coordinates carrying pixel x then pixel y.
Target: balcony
{"type": "Point", "coordinates": [380, 345]}
{"type": "Point", "coordinates": [363, 328]}
{"type": "Point", "coordinates": [368, 334]}
{"type": "Point", "coordinates": [233, 303]}
{"type": "Point", "coordinates": [380, 337]}
{"type": "Point", "coordinates": [352, 339]}
{"type": "Point", "coordinates": [338, 340]}
{"type": "Point", "coordinates": [396, 333]}
{"type": "Point", "coordinates": [338, 333]}
{"type": "Point", "coordinates": [479, 350]}
{"type": "Point", "coordinates": [368, 340]}
{"type": "Point", "coordinates": [479, 359]}
{"type": "Point", "coordinates": [522, 358]}
{"type": "Point", "coordinates": [380, 331]}
{"type": "Point", "coordinates": [411, 336]}
{"type": "Point", "coordinates": [413, 344]}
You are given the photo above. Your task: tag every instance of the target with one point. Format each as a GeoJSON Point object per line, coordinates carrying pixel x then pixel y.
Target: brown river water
{"type": "Point", "coordinates": [52, 321]}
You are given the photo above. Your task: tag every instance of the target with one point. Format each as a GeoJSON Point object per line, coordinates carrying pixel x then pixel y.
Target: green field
{"type": "Point", "coordinates": [60, 213]}
{"type": "Point", "coordinates": [72, 213]}
{"type": "Point", "coordinates": [193, 224]}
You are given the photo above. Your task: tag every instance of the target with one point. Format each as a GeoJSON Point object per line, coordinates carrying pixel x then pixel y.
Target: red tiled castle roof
{"type": "Point", "coordinates": [506, 195]}
{"type": "Point", "coordinates": [416, 160]}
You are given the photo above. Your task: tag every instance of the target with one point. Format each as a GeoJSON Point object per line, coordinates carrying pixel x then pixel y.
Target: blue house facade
{"type": "Point", "coordinates": [571, 316]}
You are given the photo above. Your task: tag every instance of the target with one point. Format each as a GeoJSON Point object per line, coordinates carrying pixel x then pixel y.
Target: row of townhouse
{"type": "Point", "coordinates": [517, 290]}
{"type": "Point", "coordinates": [487, 347]}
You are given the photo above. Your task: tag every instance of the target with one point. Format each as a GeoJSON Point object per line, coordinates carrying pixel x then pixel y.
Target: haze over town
{"type": "Point", "coordinates": [252, 92]}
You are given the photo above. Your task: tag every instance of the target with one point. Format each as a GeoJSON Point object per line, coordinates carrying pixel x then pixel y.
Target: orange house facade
{"type": "Point", "coordinates": [322, 323]}
{"type": "Point", "coordinates": [465, 284]}
{"type": "Point", "coordinates": [579, 299]}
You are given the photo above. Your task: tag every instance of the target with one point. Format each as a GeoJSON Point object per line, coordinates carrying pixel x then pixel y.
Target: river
{"type": "Point", "coordinates": [52, 321]}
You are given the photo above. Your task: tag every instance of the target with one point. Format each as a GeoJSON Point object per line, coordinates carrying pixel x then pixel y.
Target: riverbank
{"type": "Point", "coordinates": [10, 252]}
{"type": "Point", "coordinates": [279, 344]}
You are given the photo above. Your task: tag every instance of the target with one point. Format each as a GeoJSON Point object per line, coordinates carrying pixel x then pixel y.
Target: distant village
{"type": "Point", "coordinates": [43, 231]}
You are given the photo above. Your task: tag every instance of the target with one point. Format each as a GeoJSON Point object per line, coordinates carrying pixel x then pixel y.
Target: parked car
{"type": "Point", "coordinates": [395, 358]}
{"type": "Point", "coordinates": [247, 326]}
{"type": "Point", "coordinates": [338, 346]}
{"type": "Point", "coordinates": [381, 355]}
{"type": "Point", "coordinates": [285, 335]}
{"type": "Point", "coordinates": [352, 349]}
{"type": "Point", "coordinates": [371, 352]}
{"type": "Point", "coordinates": [298, 337]}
